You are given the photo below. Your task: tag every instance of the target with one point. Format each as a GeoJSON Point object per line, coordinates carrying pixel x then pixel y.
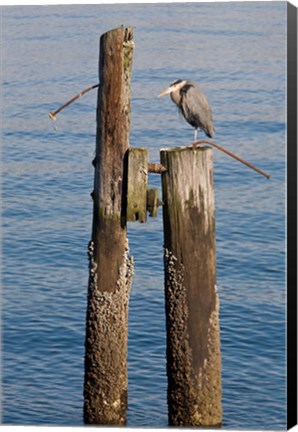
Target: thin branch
{"type": "Point", "coordinates": [232, 155]}
{"type": "Point", "coordinates": [52, 114]}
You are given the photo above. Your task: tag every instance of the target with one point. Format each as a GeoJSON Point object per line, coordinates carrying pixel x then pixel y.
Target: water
{"type": "Point", "coordinates": [237, 52]}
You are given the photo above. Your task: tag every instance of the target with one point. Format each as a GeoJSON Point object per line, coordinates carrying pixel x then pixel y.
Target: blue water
{"type": "Point", "coordinates": [237, 52]}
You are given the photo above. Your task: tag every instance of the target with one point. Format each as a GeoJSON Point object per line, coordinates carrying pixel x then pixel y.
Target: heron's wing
{"type": "Point", "coordinates": [196, 108]}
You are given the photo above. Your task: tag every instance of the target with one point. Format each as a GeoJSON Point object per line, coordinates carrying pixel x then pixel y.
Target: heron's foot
{"type": "Point", "coordinates": [195, 145]}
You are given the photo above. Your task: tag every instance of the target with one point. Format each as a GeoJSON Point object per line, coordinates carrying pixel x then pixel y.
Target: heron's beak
{"type": "Point", "coordinates": [167, 91]}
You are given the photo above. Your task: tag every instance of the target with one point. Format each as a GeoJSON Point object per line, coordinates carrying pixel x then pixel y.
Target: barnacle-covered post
{"type": "Point", "coordinates": [111, 268]}
{"type": "Point", "coordinates": [192, 306]}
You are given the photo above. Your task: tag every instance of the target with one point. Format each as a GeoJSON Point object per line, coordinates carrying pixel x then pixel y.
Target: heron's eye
{"type": "Point", "coordinates": [185, 88]}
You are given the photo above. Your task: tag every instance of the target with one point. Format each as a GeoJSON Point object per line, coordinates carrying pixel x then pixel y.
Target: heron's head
{"type": "Point", "coordinates": [175, 86]}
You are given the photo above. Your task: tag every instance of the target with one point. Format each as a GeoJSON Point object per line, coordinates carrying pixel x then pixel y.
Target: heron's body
{"type": "Point", "coordinates": [193, 105]}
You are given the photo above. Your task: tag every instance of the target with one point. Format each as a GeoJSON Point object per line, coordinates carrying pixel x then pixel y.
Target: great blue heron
{"type": "Point", "coordinates": [192, 104]}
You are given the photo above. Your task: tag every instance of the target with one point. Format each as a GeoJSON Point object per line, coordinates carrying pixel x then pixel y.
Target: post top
{"type": "Point", "coordinates": [182, 149]}
{"type": "Point", "coordinates": [128, 32]}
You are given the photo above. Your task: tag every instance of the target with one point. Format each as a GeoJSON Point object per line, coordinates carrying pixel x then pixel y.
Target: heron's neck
{"type": "Point", "coordinates": [176, 97]}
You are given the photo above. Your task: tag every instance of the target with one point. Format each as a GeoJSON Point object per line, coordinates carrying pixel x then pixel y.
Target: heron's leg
{"type": "Point", "coordinates": [195, 135]}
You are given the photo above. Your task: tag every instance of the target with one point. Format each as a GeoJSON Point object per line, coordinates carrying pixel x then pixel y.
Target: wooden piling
{"type": "Point", "coordinates": [137, 184]}
{"type": "Point", "coordinates": [111, 268]}
{"type": "Point", "coordinates": [152, 202]}
{"type": "Point", "coordinates": [192, 305]}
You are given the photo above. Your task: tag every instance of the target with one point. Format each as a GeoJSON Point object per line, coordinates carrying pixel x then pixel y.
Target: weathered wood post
{"type": "Point", "coordinates": [111, 268]}
{"type": "Point", "coordinates": [137, 183]}
{"type": "Point", "coordinates": [192, 305]}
